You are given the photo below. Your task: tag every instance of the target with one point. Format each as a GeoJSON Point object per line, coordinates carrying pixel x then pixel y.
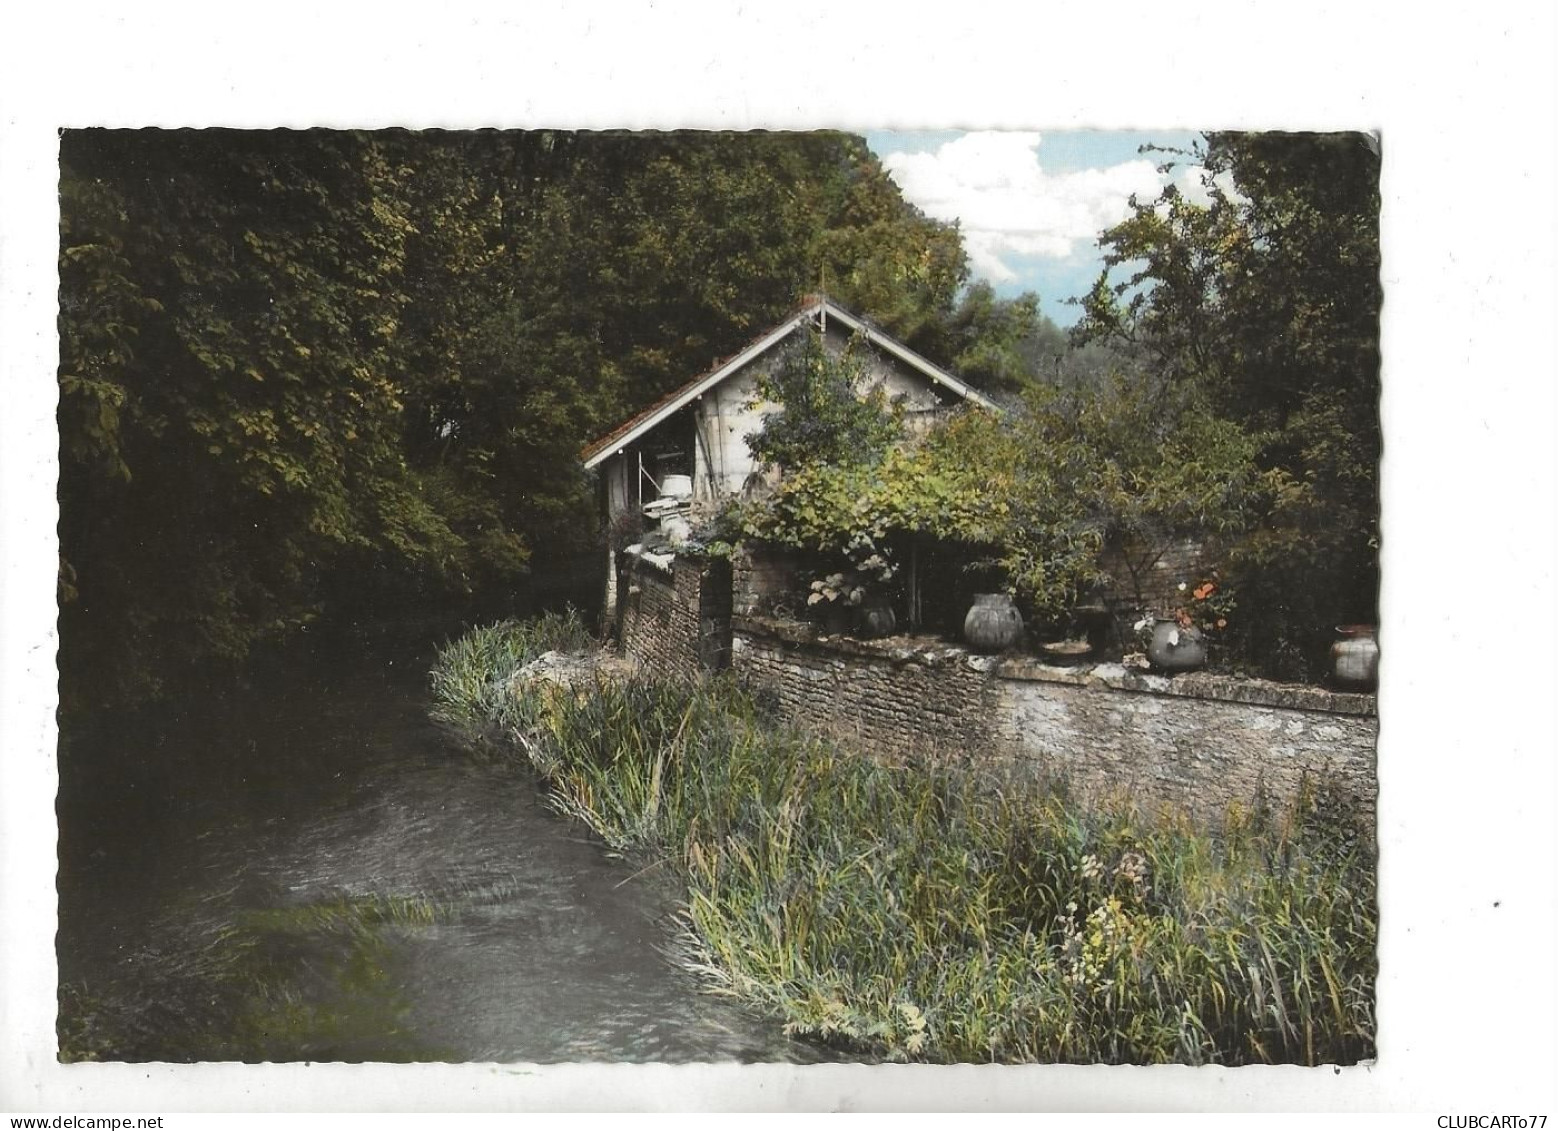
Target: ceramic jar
{"type": "Point", "coordinates": [1174, 648]}
{"type": "Point", "coordinates": [993, 623]}
{"type": "Point", "coordinates": [1355, 657]}
{"type": "Point", "coordinates": [875, 618]}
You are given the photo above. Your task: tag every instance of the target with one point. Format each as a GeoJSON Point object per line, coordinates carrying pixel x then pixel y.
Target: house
{"type": "Point", "coordinates": [691, 445]}
{"type": "Point", "coordinates": [694, 439]}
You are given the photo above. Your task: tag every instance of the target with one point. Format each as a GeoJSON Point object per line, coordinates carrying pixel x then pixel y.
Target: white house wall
{"type": "Point", "coordinates": [881, 369]}
{"type": "Point", "coordinates": [614, 473]}
{"type": "Point", "coordinates": [727, 414]}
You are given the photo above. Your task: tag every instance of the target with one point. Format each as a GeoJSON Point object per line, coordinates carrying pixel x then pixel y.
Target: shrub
{"type": "Point", "coordinates": [829, 413]}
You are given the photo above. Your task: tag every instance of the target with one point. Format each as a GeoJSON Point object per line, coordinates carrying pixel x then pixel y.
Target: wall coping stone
{"type": "Point", "coordinates": [659, 561]}
{"type": "Point", "coordinates": [933, 652]}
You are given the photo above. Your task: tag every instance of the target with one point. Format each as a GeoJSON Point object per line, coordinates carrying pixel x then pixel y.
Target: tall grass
{"type": "Point", "coordinates": [931, 913]}
{"type": "Point", "coordinates": [471, 675]}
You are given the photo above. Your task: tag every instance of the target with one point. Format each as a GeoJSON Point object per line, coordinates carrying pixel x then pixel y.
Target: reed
{"type": "Point", "coordinates": [470, 677]}
{"type": "Point", "coordinates": [927, 912]}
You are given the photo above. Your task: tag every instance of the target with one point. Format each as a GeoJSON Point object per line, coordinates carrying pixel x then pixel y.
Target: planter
{"type": "Point", "coordinates": [993, 623]}
{"type": "Point", "coordinates": [1355, 657]}
{"type": "Point", "coordinates": [875, 619]}
{"type": "Point", "coordinates": [1174, 648]}
{"type": "Point", "coordinates": [835, 619]}
{"type": "Point", "coordinates": [1066, 653]}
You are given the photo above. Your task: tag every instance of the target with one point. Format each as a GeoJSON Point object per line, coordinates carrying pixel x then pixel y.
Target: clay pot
{"type": "Point", "coordinates": [993, 623]}
{"type": "Point", "coordinates": [1355, 657]}
{"type": "Point", "coordinates": [1174, 648]}
{"type": "Point", "coordinates": [875, 618]}
{"type": "Point", "coordinates": [834, 619]}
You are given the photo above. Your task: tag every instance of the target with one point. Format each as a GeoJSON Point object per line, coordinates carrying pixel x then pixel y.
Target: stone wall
{"type": "Point", "coordinates": [1142, 582]}
{"type": "Point", "coordinates": [1198, 741]}
{"type": "Point", "coordinates": [762, 574]}
{"type": "Point", "coordinates": [892, 701]}
{"type": "Point", "coordinates": [673, 613]}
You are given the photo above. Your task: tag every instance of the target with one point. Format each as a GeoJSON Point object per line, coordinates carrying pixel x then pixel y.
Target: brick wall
{"type": "Point", "coordinates": [760, 575]}
{"type": "Point", "coordinates": [1197, 741]}
{"type": "Point", "coordinates": [673, 614]}
{"type": "Point", "coordinates": [890, 701]}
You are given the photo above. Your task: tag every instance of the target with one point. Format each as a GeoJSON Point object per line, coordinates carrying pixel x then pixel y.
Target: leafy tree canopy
{"type": "Point", "coordinates": [829, 412]}
{"type": "Point", "coordinates": [316, 374]}
{"type": "Point", "coordinates": [1265, 299]}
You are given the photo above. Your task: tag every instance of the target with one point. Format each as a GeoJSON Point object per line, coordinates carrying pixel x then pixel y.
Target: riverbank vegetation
{"type": "Point", "coordinates": [928, 912]}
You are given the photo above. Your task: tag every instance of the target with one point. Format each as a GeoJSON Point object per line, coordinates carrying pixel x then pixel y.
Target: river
{"type": "Point", "coordinates": [306, 868]}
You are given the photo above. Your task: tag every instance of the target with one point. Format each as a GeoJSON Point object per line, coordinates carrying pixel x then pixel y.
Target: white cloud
{"type": "Point", "coordinates": [1009, 206]}
{"type": "Point", "coordinates": [1190, 182]}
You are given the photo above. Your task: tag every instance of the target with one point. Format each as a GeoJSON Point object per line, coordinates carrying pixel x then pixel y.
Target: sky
{"type": "Point", "coordinates": [1031, 204]}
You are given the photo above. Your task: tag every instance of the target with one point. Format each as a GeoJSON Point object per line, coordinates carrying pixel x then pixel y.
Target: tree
{"type": "Point", "coordinates": [877, 253]}
{"type": "Point", "coordinates": [1266, 298]}
{"type": "Point", "coordinates": [828, 415]}
{"type": "Point", "coordinates": [984, 338]}
{"type": "Point", "coordinates": [307, 375]}
{"type": "Point", "coordinates": [230, 399]}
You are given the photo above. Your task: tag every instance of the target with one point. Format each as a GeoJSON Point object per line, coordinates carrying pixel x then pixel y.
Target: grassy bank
{"type": "Point", "coordinates": [930, 913]}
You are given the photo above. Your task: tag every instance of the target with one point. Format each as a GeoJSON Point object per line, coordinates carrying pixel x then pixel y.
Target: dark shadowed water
{"type": "Point", "coordinates": [309, 870]}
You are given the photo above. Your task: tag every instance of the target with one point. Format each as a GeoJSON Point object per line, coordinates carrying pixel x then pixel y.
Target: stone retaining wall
{"type": "Point", "coordinates": [887, 702]}
{"type": "Point", "coordinates": [673, 615]}
{"type": "Point", "coordinates": [1197, 741]}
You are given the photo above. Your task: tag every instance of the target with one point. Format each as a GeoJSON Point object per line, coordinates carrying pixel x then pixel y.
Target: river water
{"type": "Point", "coordinates": [307, 869]}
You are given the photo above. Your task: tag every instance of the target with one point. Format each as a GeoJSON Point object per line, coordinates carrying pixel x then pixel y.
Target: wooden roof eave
{"type": "Point", "coordinates": [937, 375]}
{"type": "Point", "coordinates": [694, 391]}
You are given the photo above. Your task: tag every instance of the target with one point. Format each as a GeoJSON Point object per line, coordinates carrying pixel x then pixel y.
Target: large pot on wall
{"type": "Point", "coordinates": [834, 618]}
{"type": "Point", "coordinates": [1175, 648]}
{"type": "Point", "coordinates": [993, 624]}
{"type": "Point", "coordinates": [875, 618]}
{"type": "Point", "coordinates": [1355, 657]}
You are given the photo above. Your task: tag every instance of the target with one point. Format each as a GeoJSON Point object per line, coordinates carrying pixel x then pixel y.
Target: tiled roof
{"type": "Point", "coordinates": [812, 305]}
{"type": "Point", "coordinates": [613, 438]}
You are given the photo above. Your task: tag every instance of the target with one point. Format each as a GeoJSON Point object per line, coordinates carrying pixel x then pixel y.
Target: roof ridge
{"type": "Point", "coordinates": [810, 303]}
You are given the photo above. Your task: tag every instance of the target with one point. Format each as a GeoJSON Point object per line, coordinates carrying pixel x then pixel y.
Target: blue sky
{"type": "Point", "coordinates": [1031, 204]}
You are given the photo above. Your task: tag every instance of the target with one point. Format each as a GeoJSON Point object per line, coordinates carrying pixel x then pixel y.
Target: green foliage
{"type": "Point", "coordinates": [313, 375]}
{"type": "Point", "coordinates": [992, 343]}
{"type": "Point", "coordinates": [230, 401]}
{"type": "Point", "coordinates": [921, 913]}
{"type": "Point", "coordinates": [829, 414]}
{"type": "Point", "coordinates": [1006, 348]}
{"type": "Point", "coordinates": [1266, 301]}
{"type": "Point", "coordinates": [1037, 493]}
{"type": "Point", "coordinates": [951, 486]}
{"type": "Point", "coordinates": [1137, 468]}
{"type": "Point", "coordinates": [881, 256]}
{"type": "Point", "coordinates": [470, 675]}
